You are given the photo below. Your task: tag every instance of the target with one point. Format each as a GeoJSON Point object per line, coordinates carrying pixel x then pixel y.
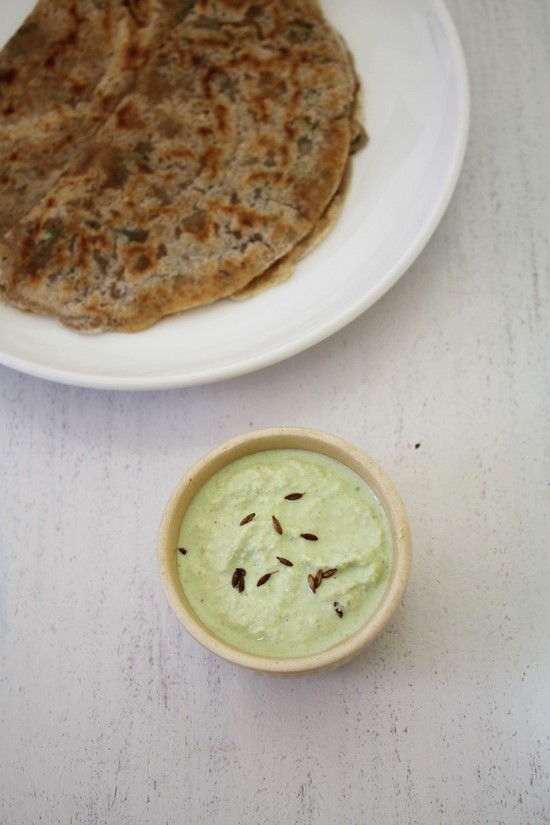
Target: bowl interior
{"type": "Point", "coordinates": [273, 439]}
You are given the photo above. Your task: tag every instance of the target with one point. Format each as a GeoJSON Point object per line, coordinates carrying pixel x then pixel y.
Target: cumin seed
{"type": "Point", "coordinates": [318, 578]}
{"type": "Point", "coordinates": [246, 519]}
{"type": "Point", "coordinates": [294, 496]}
{"type": "Point", "coordinates": [330, 572]}
{"type": "Point", "coordinates": [309, 536]}
{"type": "Point", "coordinates": [311, 582]}
{"type": "Point", "coordinates": [338, 607]}
{"type": "Point", "coordinates": [237, 580]}
{"type": "Point", "coordinates": [284, 561]}
{"type": "Point", "coordinates": [182, 550]}
{"type": "Point", "coordinates": [265, 577]}
{"type": "Point", "coordinates": [277, 524]}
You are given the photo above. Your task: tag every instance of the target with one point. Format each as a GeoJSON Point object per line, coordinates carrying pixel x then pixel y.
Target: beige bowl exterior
{"type": "Point", "coordinates": [274, 439]}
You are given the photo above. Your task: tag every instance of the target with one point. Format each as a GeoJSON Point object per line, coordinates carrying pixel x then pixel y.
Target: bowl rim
{"type": "Point", "coordinates": [300, 438]}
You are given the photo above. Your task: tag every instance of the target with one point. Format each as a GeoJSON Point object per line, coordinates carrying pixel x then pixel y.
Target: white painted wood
{"type": "Point", "coordinates": [109, 713]}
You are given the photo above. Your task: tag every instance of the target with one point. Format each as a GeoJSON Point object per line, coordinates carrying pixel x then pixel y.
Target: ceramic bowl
{"type": "Point", "coordinates": [272, 439]}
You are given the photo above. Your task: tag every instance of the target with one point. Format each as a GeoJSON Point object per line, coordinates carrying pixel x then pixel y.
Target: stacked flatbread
{"type": "Point", "coordinates": [156, 156]}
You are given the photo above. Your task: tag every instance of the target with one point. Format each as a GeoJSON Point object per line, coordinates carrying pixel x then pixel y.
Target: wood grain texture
{"type": "Point", "coordinates": [109, 713]}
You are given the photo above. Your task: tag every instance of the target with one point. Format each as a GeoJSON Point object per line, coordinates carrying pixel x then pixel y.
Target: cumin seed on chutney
{"type": "Point", "coordinates": [349, 563]}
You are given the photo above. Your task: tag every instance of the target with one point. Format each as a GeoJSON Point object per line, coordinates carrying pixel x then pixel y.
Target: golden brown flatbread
{"type": "Point", "coordinates": [219, 159]}
{"type": "Point", "coordinates": [61, 75]}
{"type": "Point", "coordinates": [282, 269]}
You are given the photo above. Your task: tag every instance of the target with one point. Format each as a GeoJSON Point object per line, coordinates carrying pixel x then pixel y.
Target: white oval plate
{"type": "Point", "coordinates": [416, 103]}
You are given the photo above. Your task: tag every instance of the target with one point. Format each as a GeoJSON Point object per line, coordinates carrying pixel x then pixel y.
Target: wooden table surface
{"type": "Point", "coordinates": [110, 713]}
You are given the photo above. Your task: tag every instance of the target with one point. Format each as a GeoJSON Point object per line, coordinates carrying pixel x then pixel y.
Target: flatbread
{"type": "Point", "coordinates": [219, 160]}
{"type": "Point", "coordinates": [61, 74]}
{"type": "Point", "coordinates": [282, 269]}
